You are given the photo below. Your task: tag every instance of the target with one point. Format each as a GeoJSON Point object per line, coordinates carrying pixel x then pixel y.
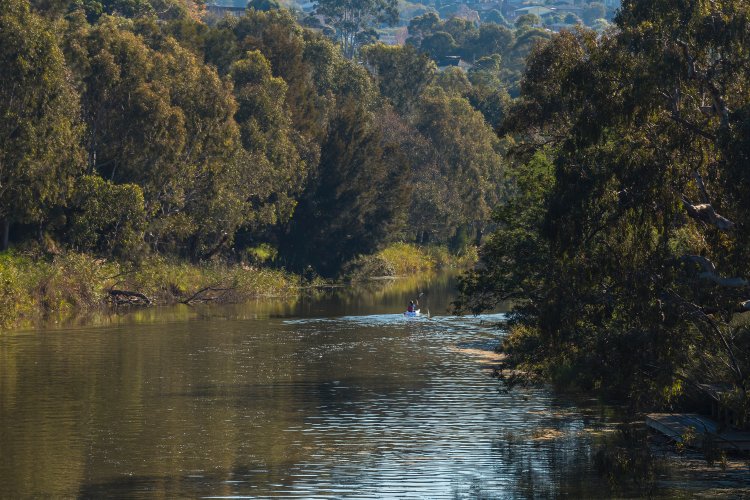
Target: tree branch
{"type": "Point", "coordinates": [705, 212]}
{"type": "Point", "coordinates": [117, 294]}
{"type": "Point", "coordinates": [709, 272]}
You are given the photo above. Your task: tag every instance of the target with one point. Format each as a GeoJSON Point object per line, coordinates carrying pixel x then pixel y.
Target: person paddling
{"type": "Point", "coordinates": [412, 306]}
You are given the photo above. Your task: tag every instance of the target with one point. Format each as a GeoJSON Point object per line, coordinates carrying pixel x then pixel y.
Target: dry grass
{"type": "Point", "coordinates": [33, 288]}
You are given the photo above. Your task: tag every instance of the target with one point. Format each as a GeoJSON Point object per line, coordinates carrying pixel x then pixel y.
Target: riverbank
{"type": "Point", "coordinates": [404, 259]}
{"type": "Point", "coordinates": [36, 289]}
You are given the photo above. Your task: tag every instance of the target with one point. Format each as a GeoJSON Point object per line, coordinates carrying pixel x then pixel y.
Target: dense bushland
{"type": "Point", "coordinates": [404, 259]}
{"type": "Point", "coordinates": [143, 129]}
{"type": "Point", "coordinates": [33, 288]}
{"type": "Point", "coordinates": [624, 241]}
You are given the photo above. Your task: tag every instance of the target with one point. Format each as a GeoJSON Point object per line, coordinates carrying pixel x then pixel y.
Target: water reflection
{"type": "Point", "coordinates": [335, 395]}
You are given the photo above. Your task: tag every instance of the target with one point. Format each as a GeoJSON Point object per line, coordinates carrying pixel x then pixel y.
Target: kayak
{"type": "Point", "coordinates": [412, 313]}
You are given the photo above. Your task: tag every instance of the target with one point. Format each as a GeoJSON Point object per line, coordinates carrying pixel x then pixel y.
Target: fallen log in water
{"type": "Point", "coordinates": [127, 297]}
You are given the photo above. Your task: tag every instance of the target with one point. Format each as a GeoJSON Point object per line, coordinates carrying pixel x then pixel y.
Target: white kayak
{"type": "Point", "coordinates": [412, 313]}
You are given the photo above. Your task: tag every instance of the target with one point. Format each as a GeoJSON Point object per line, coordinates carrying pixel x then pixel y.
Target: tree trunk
{"type": "Point", "coordinates": [6, 234]}
{"type": "Point", "coordinates": [478, 235]}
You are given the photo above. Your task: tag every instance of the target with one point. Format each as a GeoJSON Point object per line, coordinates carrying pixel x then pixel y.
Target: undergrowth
{"type": "Point", "coordinates": [405, 259]}
{"type": "Point", "coordinates": [34, 288]}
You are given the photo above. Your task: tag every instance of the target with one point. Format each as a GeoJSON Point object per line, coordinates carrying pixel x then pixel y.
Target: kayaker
{"type": "Point", "coordinates": [412, 306]}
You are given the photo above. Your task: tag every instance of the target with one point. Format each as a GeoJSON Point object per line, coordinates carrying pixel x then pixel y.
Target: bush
{"type": "Point", "coordinates": [167, 281]}
{"type": "Point", "coordinates": [74, 283]}
{"type": "Point", "coordinates": [407, 259]}
{"type": "Point", "coordinates": [107, 218]}
{"type": "Point", "coordinates": [404, 259]}
{"type": "Point", "coordinates": [368, 266]}
{"type": "Point", "coordinates": [32, 288]}
{"type": "Point", "coordinates": [16, 276]}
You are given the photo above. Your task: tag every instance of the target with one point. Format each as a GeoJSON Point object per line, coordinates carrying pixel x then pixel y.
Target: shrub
{"type": "Point", "coordinates": [407, 259]}
{"type": "Point", "coordinates": [368, 266]}
{"type": "Point", "coordinates": [73, 283]}
{"type": "Point", "coordinates": [107, 218]}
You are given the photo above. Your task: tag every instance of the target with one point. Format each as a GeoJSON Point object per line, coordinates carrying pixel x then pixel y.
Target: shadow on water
{"type": "Point", "coordinates": [334, 395]}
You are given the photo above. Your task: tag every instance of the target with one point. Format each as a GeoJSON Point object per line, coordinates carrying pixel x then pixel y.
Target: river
{"type": "Point", "coordinates": [333, 395]}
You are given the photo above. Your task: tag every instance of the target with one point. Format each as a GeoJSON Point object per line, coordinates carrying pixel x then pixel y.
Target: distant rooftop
{"type": "Point", "coordinates": [228, 4]}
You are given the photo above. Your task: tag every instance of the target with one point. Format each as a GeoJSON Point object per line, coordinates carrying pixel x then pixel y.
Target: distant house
{"type": "Point", "coordinates": [570, 9]}
{"type": "Point", "coordinates": [227, 7]}
{"type": "Point", "coordinates": [453, 62]}
{"type": "Point", "coordinates": [447, 61]}
{"type": "Point", "coordinates": [533, 9]}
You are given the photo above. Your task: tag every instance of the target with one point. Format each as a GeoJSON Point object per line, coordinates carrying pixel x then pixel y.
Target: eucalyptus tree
{"type": "Point", "coordinates": [469, 167]}
{"type": "Point", "coordinates": [39, 126]}
{"type": "Point", "coordinates": [353, 197]}
{"type": "Point", "coordinates": [402, 73]}
{"type": "Point", "coordinates": [351, 17]}
{"type": "Point", "coordinates": [272, 170]}
{"type": "Point", "coordinates": [644, 287]}
{"type": "Point", "coordinates": [159, 118]}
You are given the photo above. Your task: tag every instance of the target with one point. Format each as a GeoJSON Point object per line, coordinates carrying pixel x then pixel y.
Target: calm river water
{"type": "Point", "coordinates": [337, 395]}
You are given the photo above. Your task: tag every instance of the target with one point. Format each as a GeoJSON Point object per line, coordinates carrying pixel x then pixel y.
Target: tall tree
{"type": "Point", "coordinates": [644, 224]}
{"type": "Point", "coordinates": [402, 73]}
{"type": "Point", "coordinates": [164, 121]}
{"type": "Point", "coordinates": [351, 17]}
{"type": "Point", "coordinates": [470, 169]}
{"type": "Point", "coordinates": [349, 205]}
{"type": "Point", "coordinates": [273, 170]}
{"type": "Point", "coordinates": [39, 133]}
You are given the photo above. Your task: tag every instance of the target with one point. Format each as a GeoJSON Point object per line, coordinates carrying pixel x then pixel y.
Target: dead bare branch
{"type": "Point", "coordinates": [705, 212]}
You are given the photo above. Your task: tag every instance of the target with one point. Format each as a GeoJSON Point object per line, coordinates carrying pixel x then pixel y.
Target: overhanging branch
{"type": "Point", "coordinates": [705, 212]}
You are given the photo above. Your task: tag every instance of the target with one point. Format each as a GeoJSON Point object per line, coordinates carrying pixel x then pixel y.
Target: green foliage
{"type": "Point", "coordinates": [465, 163]}
{"type": "Point", "coordinates": [30, 287]}
{"type": "Point", "coordinates": [492, 39]}
{"type": "Point", "coordinates": [39, 131]}
{"type": "Point", "coordinates": [572, 19]}
{"type": "Point", "coordinates": [407, 259]}
{"type": "Point", "coordinates": [169, 281]}
{"type": "Point", "coordinates": [272, 167]}
{"type": "Point", "coordinates": [163, 121]}
{"type": "Point", "coordinates": [264, 5]}
{"type": "Point", "coordinates": [402, 73]}
{"type": "Point", "coordinates": [487, 94]}
{"type": "Point", "coordinates": [628, 280]}
{"type": "Point", "coordinates": [527, 21]}
{"type": "Point", "coordinates": [515, 257]}
{"type": "Point", "coordinates": [351, 17]}
{"type": "Point", "coordinates": [453, 81]}
{"type": "Point", "coordinates": [353, 198]}
{"type": "Point", "coordinates": [494, 16]}
{"type": "Point", "coordinates": [33, 289]}
{"type": "Point", "coordinates": [592, 12]}
{"type": "Point", "coordinates": [145, 133]}
{"type": "Point", "coordinates": [17, 278]}
{"type": "Point", "coordinates": [107, 218]}
{"type": "Point", "coordinates": [458, 37]}
{"type": "Point", "coordinates": [439, 45]}
{"type": "Point", "coordinates": [126, 8]}
{"type": "Point", "coordinates": [262, 253]}
{"type": "Point", "coordinates": [368, 267]}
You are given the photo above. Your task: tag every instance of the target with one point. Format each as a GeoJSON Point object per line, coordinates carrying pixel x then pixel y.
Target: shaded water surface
{"type": "Point", "coordinates": [337, 395]}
